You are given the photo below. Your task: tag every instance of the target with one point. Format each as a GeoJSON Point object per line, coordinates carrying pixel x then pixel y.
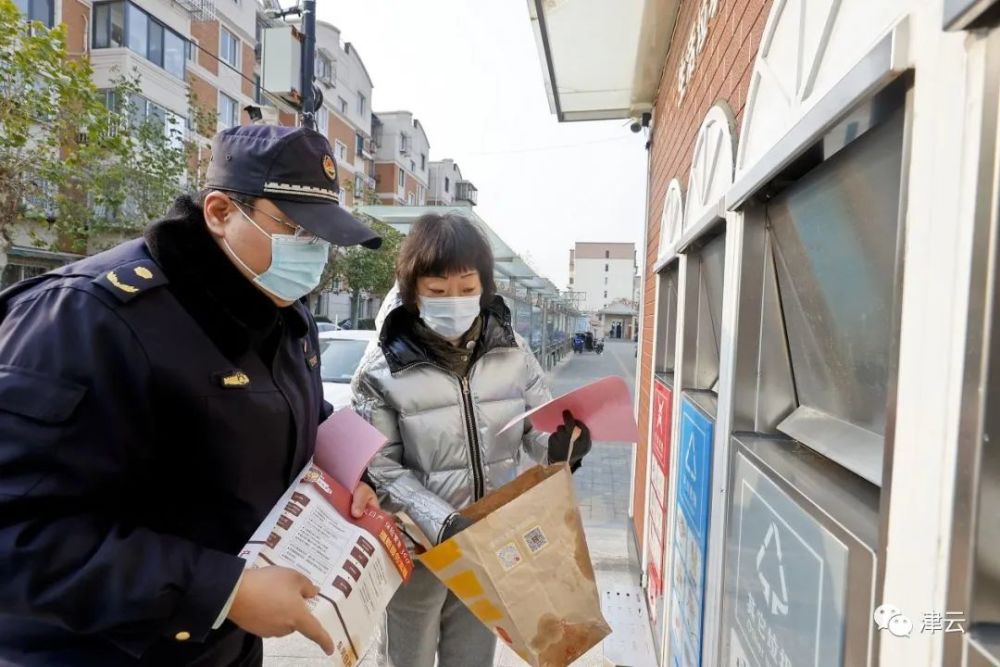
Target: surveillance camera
{"type": "Point", "coordinates": [636, 127]}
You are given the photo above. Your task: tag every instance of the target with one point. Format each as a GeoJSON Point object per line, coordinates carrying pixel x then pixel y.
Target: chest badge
{"type": "Point", "coordinates": [234, 380]}
{"type": "Point", "coordinates": [312, 359]}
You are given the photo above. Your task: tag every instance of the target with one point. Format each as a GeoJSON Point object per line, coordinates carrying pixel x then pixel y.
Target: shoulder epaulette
{"type": "Point", "coordinates": [132, 279]}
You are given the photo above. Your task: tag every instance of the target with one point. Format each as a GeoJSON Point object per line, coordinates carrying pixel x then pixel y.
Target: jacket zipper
{"type": "Point", "coordinates": [470, 423]}
{"type": "Point", "coordinates": [478, 473]}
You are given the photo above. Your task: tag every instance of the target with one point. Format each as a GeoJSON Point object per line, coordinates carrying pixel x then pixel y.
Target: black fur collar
{"type": "Point", "coordinates": [226, 305]}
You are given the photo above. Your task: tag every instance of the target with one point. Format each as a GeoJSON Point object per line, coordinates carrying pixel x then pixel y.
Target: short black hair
{"type": "Point", "coordinates": [442, 244]}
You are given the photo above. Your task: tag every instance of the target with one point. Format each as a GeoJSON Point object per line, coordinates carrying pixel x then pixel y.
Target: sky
{"type": "Point", "coordinates": [469, 70]}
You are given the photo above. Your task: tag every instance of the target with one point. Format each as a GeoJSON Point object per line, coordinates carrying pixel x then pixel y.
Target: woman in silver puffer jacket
{"type": "Point", "coordinates": [447, 374]}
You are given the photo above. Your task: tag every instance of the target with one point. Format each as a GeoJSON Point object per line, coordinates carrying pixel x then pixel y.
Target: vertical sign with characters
{"type": "Point", "coordinates": [657, 504]}
{"type": "Point", "coordinates": [690, 535]}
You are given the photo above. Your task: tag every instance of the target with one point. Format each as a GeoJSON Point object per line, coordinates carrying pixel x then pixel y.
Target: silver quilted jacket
{"type": "Point", "coordinates": [443, 450]}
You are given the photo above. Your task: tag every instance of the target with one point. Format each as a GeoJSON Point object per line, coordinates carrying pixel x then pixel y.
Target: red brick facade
{"type": "Point", "coordinates": [206, 33]}
{"type": "Point", "coordinates": [721, 74]}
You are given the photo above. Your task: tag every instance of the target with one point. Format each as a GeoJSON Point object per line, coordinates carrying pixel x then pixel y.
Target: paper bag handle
{"type": "Point", "coordinates": [574, 436]}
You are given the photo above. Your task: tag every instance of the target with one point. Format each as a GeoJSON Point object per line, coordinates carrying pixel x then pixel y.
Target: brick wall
{"type": "Point", "coordinates": [249, 61]}
{"type": "Point", "coordinates": [204, 94]}
{"type": "Point", "coordinates": [385, 177]}
{"type": "Point", "coordinates": [207, 35]}
{"type": "Point", "coordinates": [340, 130]}
{"type": "Point", "coordinates": [76, 16]}
{"type": "Point", "coordinates": [722, 74]}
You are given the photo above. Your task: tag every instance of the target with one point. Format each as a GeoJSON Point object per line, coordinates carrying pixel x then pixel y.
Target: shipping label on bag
{"type": "Point", "coordinates": [524, 569]}
{"type": "Point", "coordinates": [356, 563]}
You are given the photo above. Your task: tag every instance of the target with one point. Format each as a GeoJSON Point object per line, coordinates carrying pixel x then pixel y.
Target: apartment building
{"type": "Point", "coordinates": [346, 115]}
{"type": "Point", "coordinates": [604, 272]}
{"type": "Point", "coordinates": [402, 168]}
{"type": "Point", "coordinates": [447, 187]}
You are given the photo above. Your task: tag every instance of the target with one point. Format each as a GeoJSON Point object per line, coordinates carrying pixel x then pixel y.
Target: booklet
{"type": "Point", "coordinates": [356, 563]}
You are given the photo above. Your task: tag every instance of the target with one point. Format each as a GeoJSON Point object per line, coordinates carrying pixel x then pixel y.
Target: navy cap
{"type": "Point", "coordinates": [294, 168]}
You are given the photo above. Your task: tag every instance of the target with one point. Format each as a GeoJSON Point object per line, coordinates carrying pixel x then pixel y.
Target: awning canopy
{"type": "Point", "coordinates": [601, 60]}
{"type": "Point", "coordinates": [509, 265]}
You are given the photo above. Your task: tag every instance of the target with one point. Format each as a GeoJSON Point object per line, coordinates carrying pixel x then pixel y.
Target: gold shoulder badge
{"type": "Point", "coordinates": [329, 167]}
{"type": "Point", "coordinates": [235, 379]}
{"type": "Point", "coordinates": [130, 280]}
{"type": "Point", "coordinates": [113, 279]}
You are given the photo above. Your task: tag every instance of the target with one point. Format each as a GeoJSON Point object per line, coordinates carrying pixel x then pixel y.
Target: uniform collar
{"type": "Point", "coordinates": [209, 286]}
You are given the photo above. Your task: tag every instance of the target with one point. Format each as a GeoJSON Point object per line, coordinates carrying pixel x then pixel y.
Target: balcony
{"type": "Point", "coordinates": [200, 10]}
{"type": "Point", "coordinates": [467, 192]}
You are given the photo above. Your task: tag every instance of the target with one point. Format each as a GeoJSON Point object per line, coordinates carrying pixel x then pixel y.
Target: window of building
{"type": "Point", "coordinates": [229, 48]}
{"type": "Point", "coordinates": [605, 294]}
{"type": "Point", "coordinates": [174, 47]}
{"type": "Point", "coordinates": [421, 195]}
{"type": "Point", "coordinates": [447, 184]}
{"type": "Point", "coordinates": [359, 185]}
{"type": "Point", "coordinates": [413, 166]}
{"type": "Point", "coordinates": [342, 105]}
{"type": "Point", "coordinates": [323, 122]}
{"type": "Point", "coordinates": [192, 51]}
{"type": "Point", "coordinates": [605, 280]}
{"type": "Point", "coordinates": [340, 150]}
{"type": "Point", "coordinates": [155, 52]}
{"type": "Point", "coordinates": [229, 111]}
{"type": "Point", "coordinates": [571, 280]}
{"type": "Point", "coordinates": [142, 110]}
{"type": "Point", "coordinates": [359, 143]}
{"type": "Point", "coordinates": [423, 162]}
{"type": "Point", "coordinates": [118, 24]}
{"type": "Point", "coordinates": [324, 69]}
{"type": "Point", "coordinates": [362, 104]}
{"type": "Point", "coordinates": [606, 267]}
{"type": "Point", "coordinates": [402, 178]}
{"type": "Point", "coordinates": [258, 91]}
{"type": "Point", "coordinates": [409, 199]}
{"type": "Point", "coordinates": [607, 254]}
{"type": "Point", "coordinates": [36, 10]}
{"type": "Point", "coordinates": [137, 30]}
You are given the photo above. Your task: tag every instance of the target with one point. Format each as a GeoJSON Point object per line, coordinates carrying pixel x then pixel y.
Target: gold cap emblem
{"type": "Point", "coordinates": [143, 273]}
{"type": "Point", "coordinates": [329, 167]}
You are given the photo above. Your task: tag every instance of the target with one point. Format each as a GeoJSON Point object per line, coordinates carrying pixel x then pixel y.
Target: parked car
{"type": "Point", "coordinates": [326, 326]}
{"type": "Point", "coordinates": [340, 354]}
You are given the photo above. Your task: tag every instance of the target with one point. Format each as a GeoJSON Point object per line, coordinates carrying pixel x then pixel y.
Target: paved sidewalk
{"type": "Point", "coordinates": [602, 487]}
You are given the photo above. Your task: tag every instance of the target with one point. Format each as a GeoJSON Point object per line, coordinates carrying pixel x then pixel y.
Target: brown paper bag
{"type": "Point", "coordinates": [524, 568]}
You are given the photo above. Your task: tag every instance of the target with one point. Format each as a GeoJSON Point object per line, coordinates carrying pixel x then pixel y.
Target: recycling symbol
{"type": "Point", "coordinates": [774, 596]}
{"type": "Point", "coordinates": [689, 460]}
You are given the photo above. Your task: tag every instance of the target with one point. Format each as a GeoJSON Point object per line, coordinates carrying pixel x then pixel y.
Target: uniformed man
{"type": "Point", "coordinates": [155, 402]}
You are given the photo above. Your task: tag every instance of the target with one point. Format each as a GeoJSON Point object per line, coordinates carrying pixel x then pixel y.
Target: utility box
{"type": "Point", "coordinates": [281, 63]}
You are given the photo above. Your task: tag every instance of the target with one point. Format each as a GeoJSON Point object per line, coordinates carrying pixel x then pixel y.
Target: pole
{"type": "Point", "coordinates": [545, 333]}
{"type": "Point", "coordinates": [309, 64]}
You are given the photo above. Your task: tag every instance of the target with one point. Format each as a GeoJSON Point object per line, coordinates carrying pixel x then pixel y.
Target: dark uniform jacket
{"type": "Point", "coordinates": [153, 407]}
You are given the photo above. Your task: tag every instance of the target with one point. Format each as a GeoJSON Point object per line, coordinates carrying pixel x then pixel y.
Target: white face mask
{"type": "Point", "coordinates": [450, 316]}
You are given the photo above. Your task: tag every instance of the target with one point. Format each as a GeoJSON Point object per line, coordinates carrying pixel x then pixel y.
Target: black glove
{"type": "Point", "coordinates": [454, 525]}
{"type": "Point", "coordinates": [559, 441]}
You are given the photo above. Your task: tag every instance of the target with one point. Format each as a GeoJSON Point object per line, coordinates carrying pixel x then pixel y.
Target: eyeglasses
{"type": "Point", "coordinates": [297, 232]}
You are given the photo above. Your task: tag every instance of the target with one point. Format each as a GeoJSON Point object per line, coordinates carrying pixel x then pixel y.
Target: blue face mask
{"type": "Point", "coordinates": [297, 263]}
